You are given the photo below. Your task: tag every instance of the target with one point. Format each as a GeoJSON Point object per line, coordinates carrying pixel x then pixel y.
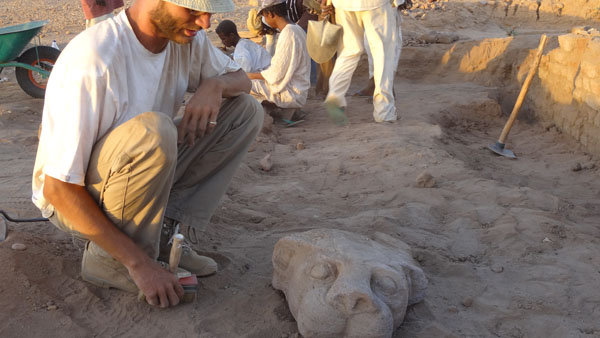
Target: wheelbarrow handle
{"type": "Point", "coordinates": [20, 220]}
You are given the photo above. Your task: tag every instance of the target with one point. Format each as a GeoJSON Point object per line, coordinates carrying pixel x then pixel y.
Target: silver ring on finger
{"type": "Point", "coordinates": [214, 123]}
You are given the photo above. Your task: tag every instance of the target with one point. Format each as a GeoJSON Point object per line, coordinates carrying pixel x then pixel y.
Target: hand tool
{"type": "Point", "coordinates": [498, 147]}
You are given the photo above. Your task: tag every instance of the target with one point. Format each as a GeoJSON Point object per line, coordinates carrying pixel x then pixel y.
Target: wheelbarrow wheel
{"type": "Point", "coordinates": [30, 81]}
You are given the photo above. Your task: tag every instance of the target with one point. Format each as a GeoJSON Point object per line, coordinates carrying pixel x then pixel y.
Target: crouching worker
{"type": "Point", "coordinates": [111, 162]}
{"type": "Point", "coordinates": [249, 55]}
{"type": "Point", "coordinates": [286, 82]}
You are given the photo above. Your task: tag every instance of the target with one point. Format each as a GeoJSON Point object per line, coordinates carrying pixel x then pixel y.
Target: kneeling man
{"type": "Point", "coordinates": [111, 162]}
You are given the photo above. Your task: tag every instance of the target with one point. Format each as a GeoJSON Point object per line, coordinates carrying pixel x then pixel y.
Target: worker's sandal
{"type": "Point", "coordinates": [190, 260]}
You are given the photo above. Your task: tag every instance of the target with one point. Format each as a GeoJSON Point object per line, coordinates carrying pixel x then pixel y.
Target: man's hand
{"type": "Point", "coordinates": [76, 204]}
{"type": "Point", "coordinates": [200, 116]}
{"type": "Point", "coordinates": [326, 10]}
{"type": "Point", "coordinates": [160, 286]}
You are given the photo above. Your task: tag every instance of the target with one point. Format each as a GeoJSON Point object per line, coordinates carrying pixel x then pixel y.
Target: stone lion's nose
{"type": "Point", "coordinates": [352, 302]}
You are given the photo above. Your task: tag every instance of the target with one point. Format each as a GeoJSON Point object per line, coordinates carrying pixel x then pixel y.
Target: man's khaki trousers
{"type": "Point", "coordinates": [137, 172]}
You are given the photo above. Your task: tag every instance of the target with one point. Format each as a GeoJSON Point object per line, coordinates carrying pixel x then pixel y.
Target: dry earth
{"type": "Point", "coordinates": [511, 248]}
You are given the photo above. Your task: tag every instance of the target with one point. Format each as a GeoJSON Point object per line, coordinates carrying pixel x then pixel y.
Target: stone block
{"type": "Point", "coordinates": [596, 120]}
{"type": "Point", "coordinates": [593, 47]}
{"type": "Point", "coordinates": [341, 284]}
{"type": "Point", "coordinates": [591, 68]}
{"type": "Point", "coordinates": [592, 100]}
{"type": "Point", "coordinates": [564, 72]}
{"type": "Point", "coordinates": [571, 42]}
{"type": "Point", "coordinates": [566, 58]}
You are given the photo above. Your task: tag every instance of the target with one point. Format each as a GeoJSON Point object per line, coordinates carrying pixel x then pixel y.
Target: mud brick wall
{"type": "Point", "coordinates": [569, 92]}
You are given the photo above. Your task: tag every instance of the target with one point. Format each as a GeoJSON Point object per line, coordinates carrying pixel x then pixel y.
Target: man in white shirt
{"type": "Point", "coordinates": [111, 161]}
{"type": "Point", "coordinates": [286, 82]}
{"type": "Point", "coordinates": [377, 20]}
{"type": "Point", "coordinates": [249, 55]}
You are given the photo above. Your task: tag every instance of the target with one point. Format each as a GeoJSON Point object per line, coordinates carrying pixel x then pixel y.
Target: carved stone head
{"type": "Point", "coordinates": [341, 284]}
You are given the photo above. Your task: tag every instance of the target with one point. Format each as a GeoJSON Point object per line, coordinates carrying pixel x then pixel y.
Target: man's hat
{"type": "Point", "coordinates": [207, 6]}
{"type": "Point", "coordinates": [268, 3]}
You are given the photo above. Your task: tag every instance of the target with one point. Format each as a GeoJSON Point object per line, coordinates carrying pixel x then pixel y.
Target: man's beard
{"type": "Point", "coordinates": [166, 24]}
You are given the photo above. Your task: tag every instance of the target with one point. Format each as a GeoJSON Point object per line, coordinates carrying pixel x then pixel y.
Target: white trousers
{"type": "Point", "coordinates": [399, 42]}
{"type": "Point", "coordinates": [379, 26]}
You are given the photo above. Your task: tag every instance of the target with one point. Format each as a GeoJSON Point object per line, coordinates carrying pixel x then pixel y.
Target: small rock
{"type": "Point", "coordinates": [589, 165]}
{"type": "Point", "coordinates": [267, 127]}
{"type": "Point", "coordinates": [548, 125]}
{"type": "Point", "coordinates": [266, 164]}
{"type": "Point", "coordinates": [425, 180]}
{"type": "Point", "coordinates": [19, 246]}
{"type": "Point", "coordinates": [483, 2]}
{"type": "Point", "coordinates": [588, 330]}
{"type": "Point", "coordinates": [52, 307]}
{"type": "Point", "coordinates": [467, 302]}
{"type": "Point", "coordinates": [453, 309]}
{"type": "Point", "coordinates": [497, 268]}
{"type": "Point", "coordinates": [546, 240]}
{"type": "Point", "coordinates": [300, 145]}
{"type": "Point", "coordinates": [576, 167]}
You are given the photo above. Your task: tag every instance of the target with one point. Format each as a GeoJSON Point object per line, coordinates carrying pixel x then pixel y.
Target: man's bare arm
{"type": "Point", "coordinates": [202, 110]}
{"type": "Point", "coordinates": [76, 204]}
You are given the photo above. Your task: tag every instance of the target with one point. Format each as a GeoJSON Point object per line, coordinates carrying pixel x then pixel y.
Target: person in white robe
{"type": "Point", "coordinates": [250, 56]}
{"type": "Point", "coordinates": [287, 80]}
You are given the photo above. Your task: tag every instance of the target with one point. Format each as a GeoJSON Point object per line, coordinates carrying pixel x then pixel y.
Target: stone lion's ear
{"type": "Point", "coordinates": [417, 283]}
{"type": "Point", "coordinates": [282, 255]}
{"type": "Point", "coordinates": [416, 277]}
{"type": "Point", "coordinates": [390, 241]}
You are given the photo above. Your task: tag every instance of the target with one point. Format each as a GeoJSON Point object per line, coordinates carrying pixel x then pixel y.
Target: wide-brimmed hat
{"type": "Point", "coordinates": [207, 6]}
{"type": "Point", "coordinates": [268, 3]}
{"type": "Point", "coordinates": [322, 40]}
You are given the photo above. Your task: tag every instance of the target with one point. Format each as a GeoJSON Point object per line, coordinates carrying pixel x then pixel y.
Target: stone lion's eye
{"type": "Point", "coordinates": [385, 284]}
{"type": "Point", "coordinates": [320, 271]}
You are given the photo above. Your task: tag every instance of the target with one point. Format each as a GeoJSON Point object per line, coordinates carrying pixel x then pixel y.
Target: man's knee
{"type": "Point", "coordinates": [249, 110]}
{"type": "Point", "coordinates": [158, 133]}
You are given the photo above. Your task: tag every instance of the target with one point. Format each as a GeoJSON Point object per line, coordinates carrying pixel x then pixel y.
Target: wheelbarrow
{"type": "Point", "coordinates": [32, 66]}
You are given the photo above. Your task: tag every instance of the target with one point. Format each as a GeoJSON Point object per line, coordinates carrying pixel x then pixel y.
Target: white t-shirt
{"type": "Point", "coordinates": [251, 56]}
{"type": "Point", "coordinates": [359, 5]}
{"type": "Point", "coordinates": [287, 80]}
{"type": "Point", "coordinates": [103, 78]}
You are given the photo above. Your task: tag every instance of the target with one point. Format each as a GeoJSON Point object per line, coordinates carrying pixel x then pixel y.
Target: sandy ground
{"type": "Point", "coordinates": [510, 247]}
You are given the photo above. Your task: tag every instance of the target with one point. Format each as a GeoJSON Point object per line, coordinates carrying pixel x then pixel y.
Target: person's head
{"type": "Point", "coordinates": [227, 32]}
{"type": "Point", "coordinates": [272, 10]}
{"type": "Point", "coordinates": [180, 20]}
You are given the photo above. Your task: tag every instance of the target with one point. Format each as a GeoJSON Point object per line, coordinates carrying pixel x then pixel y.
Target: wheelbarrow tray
{"type": "Point", "coordinates": [13, 39]}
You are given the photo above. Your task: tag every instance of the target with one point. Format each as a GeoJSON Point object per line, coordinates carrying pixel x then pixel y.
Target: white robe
{"type": "Point", "coordinates": [251, 56]}
{"type": "Point", "coordinates": [287, 80]}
